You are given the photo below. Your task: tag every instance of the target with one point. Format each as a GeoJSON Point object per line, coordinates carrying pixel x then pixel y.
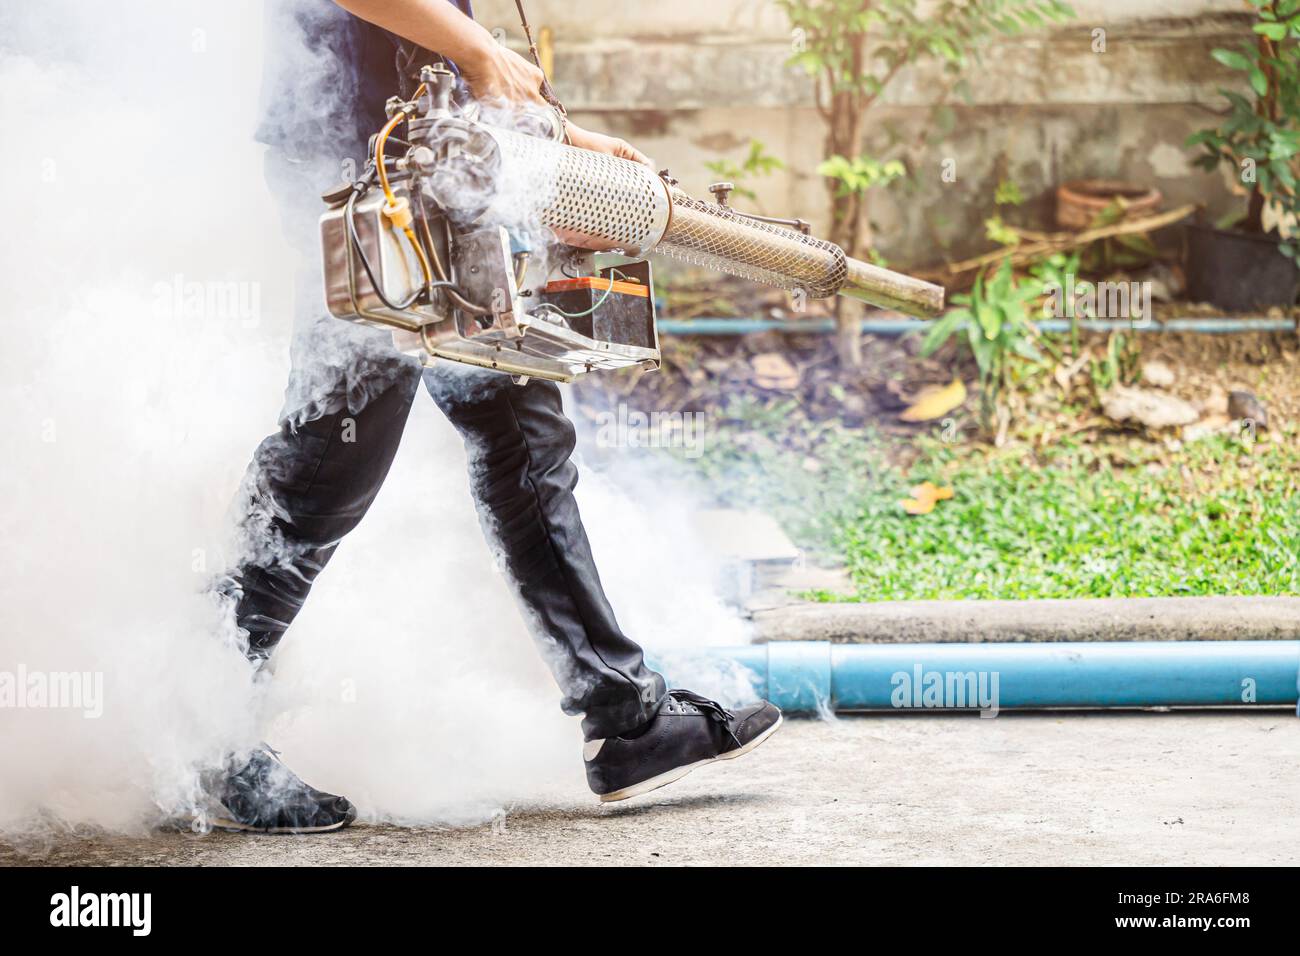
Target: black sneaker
{"type": "Point", "coordinates": [265, 796]}
{"type": "Point", "coordinates": [687, 732]}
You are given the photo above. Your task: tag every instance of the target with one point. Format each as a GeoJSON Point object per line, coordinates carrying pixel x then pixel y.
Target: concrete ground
{"type": "Point", "coordinates": [1050, 788]}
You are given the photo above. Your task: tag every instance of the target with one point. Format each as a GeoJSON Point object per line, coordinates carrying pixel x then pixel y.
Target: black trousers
{"type": "Point", "coordinates": [310, 484]}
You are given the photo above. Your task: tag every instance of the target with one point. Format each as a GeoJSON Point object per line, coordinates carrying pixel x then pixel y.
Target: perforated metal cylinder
{"type": "Point", "coordinates": [594, 201]}
{"type": "Point", "coordinates": [590, 200]}
{"type": "Point", "coordinates": [713, 236]}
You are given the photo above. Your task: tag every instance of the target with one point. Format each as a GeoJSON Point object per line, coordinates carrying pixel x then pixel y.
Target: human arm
{"type": "Point", "coordinates": [490, 69]}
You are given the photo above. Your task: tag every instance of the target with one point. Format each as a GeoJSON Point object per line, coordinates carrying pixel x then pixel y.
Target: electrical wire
{"type": "Point", "coordinates": [354, 238]}
{"type": "Point", "coordinates": [599, 302]}
{"type": "Point", "coordinates": [350, 219]}
{"type": "Point", "coordinates": [395, 212]}
{"type": "Point", "coordinates": [448, 283]}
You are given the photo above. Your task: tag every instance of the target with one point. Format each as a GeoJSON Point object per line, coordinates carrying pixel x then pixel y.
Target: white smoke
{"type": "Point", "coordinates": [148, 317]}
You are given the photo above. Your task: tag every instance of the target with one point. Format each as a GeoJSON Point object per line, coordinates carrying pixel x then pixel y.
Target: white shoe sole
{"type": "Point", "coordinates": [233, 826]}
{"type": "Point", "coordinates": [654, 783]}
{"type": "Point", "coordinates": [215, 819]}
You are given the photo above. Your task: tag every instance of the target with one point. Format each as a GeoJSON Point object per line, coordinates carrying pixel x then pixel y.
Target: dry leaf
{"type": "Point", "coordinates": [1064, 374]}
{"type": "Point", "coordinates": [773, 370]}
{"type": "Point", "coordinates": [924, 497]}
{"type": "Point", "coordinates": [934, 403]}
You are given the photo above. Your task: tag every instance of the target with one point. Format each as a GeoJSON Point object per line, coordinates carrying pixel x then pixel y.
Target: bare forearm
{"type": "Point", "coordinates": [434, 24]}
{"type": "Point", "coordinates": [490, 70]}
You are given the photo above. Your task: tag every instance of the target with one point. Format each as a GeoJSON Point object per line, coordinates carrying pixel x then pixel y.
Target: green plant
{"type": "Point", "coordinates": [995, 316]}
{"type": "Point", "coordinates": [853, 177]}
{"type": "Point", "coordinates": [1127, 251]}
{"type": "Point", "coordinates": [995, 227]}
{"type": "Point", "coordinates": [1059, 273]}
{"type": "Point", "coordinates": [1102, 517]}
{"type": "Point", "coordinates": [1260, 137]}
{"type": "Point", "coordinates": [1080, 521]}
{"type": "Point", "coordinates": [854, 49]}
{"type": "Point", "coordinates": [1119, 364]}
{"type": "Point", "coordinates": [1008, 193]}
{"type": "Point", "coordinates": [756, 164]}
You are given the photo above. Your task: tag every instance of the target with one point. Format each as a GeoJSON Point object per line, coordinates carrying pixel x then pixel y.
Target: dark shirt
{"type": "Point", "coordinates": [327, 75]}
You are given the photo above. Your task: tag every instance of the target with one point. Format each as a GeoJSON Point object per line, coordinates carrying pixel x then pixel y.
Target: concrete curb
{"type": "Point", "coordinates": [1085, 619]}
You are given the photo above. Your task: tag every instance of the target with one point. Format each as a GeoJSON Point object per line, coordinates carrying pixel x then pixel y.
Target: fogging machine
{"type": "Point", "coordinates": [476, 243]}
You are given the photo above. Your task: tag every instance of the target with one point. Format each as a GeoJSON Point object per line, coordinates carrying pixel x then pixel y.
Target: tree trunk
{"type": "Point", "coordinates": [845, 210]}
{"type": "Point", "coordinates": [848, 333]}
{"type": "Point", "coordinates": [844, 138]}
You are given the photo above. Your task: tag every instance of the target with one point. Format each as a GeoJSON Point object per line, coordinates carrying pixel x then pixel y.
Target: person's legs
{"type": "Point", "coordinates": [640, 736]}
{"type": "Point", "coordinates": [345, 408]}
{"type": "Point", "coordinates": [306, 488]}
{"type": "Point", "coordinates": [308, 485]}
{"type": "Point", "coordinates": [519, 443]}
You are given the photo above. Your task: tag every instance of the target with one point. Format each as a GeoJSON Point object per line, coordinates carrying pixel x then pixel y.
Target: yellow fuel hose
{"type": "Point", "coordinates": [399, 212]}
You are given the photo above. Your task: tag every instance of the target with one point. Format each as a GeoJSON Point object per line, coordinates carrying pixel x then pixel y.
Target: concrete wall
{"type": "Point", "coordinates": [689, 81]}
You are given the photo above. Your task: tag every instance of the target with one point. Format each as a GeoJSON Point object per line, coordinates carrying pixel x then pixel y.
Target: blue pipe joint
{"type": "Point", "coordinates": [798, 676]}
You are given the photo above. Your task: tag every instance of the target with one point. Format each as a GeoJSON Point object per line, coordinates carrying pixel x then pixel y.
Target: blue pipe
{"type": "Point", "coordinates": [714, 325]}
{"type": "Point", "coordinates": [810, 676]}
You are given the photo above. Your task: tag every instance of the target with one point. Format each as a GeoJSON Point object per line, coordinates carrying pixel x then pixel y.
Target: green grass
{"type": "Point", "coordinates": [1212, 519]}
{"type": "Point", "coordinates": [1121, 518]}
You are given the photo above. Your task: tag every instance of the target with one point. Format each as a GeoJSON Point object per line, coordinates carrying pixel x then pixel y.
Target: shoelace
{"type": "Point", "coordinates": [711, 707]}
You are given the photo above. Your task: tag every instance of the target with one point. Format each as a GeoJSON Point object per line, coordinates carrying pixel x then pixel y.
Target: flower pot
{"type": "Point", "coordinates": [1080, 202]}
{"type": "Point", "coordinates": [1238, 271]}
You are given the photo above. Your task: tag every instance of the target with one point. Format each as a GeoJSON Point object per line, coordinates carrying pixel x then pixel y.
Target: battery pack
{"type": "Point", "coordinates": [613, 306]}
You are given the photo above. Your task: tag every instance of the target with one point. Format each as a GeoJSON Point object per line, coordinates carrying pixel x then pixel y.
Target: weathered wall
{"type": "Point", "coordinates": [691, 81]}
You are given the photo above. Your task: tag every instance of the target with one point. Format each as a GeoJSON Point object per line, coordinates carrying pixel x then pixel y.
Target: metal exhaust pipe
{"type": "Point", "coordinates": [891, 290]}
{"type": "Point", "coordinates": [599, 202]}
{"type": "Point", "coordinates": [717, 237]}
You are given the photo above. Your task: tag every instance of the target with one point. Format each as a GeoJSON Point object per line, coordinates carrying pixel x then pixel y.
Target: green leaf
{"type": "Point", "coordinates": [990, 319]}
{"type": "Point", "coordinates": [1027, 349]}
{"type": "Point", "coordinates": [1238, 101]}
{"type": "Point", "coordinates": [1258, 81]}
{"type": "Point", "coordinates": [1274, 31]}
{"type": "Point", "coordinates": [1139, 243]}
{"type": "Point", "coordinates": [941, 330]}
{"type": "Point", "coordinates": [1230, 219]}
{"type": "Point", "coordinates": [1008, 194]}
{"type": "Point", "coordinates": [1231, 59]}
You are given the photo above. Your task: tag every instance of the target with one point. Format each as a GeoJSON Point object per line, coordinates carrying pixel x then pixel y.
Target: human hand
{"type": "Point", "coordinates": [501, 73]}
{"type": "Point", "coordinates": [600, 143]}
